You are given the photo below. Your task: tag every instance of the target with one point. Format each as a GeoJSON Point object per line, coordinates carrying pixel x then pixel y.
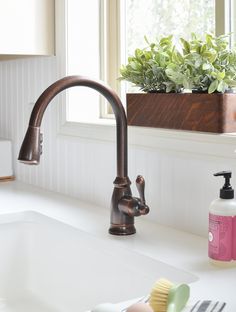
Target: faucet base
{"type": "Point", "coordinates": [118, 229]}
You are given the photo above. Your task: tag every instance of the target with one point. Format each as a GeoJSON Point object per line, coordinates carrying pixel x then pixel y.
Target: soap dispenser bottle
{"type": "Point", "coordinates": [222, 225]}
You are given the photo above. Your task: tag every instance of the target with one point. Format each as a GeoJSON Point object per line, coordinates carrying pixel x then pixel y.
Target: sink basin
{"type": "Point", "coordinates": [46, 265]}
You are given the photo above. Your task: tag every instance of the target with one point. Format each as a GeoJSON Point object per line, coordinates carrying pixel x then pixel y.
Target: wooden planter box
{"type": "Point", "coordinates": [184, 111]}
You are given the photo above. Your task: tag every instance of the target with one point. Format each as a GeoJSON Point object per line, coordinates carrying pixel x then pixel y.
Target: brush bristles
{"type": "Point", "coordinates": [159, 295]}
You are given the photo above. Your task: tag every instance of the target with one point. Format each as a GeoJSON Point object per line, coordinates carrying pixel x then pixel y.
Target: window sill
{"type": "Point", "coordinates": [103, 130]}
{"type": "Point", "coordinates": [218, 145]}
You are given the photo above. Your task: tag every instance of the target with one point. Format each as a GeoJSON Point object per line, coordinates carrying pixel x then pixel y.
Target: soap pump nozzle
{"type": "Point", "coordinates": [226, 192]}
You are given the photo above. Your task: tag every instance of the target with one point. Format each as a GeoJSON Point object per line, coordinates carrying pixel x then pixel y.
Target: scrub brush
{"type": "Point", "coordinates": [168, 297]}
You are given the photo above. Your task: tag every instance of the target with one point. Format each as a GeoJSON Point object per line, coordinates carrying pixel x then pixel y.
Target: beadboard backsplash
{"type": "Point", "coordinates": [179, 182]}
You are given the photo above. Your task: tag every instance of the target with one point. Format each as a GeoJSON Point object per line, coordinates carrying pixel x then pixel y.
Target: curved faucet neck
{"type": "Point", "coordinates": [112, 98]}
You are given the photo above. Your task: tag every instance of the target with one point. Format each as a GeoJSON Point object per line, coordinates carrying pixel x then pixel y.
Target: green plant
{"type": "Point", "coordinates": [147, 68]}
{"type": "Point", "coordinates": [205, 65]}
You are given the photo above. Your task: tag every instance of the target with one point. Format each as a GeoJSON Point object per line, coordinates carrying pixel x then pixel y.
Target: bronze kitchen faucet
{"type": "Point", "coordinates": [124, 207]}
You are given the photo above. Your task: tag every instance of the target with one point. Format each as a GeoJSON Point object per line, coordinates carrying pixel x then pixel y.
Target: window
{"type": "Point", "coordinates": [157, 18]}
{"type": "Point", "coordinates": [91, 51]}
{"type": "Point", "coordinates": [83, 57]}
{"type": "Point", "coordinates": [102, 33]}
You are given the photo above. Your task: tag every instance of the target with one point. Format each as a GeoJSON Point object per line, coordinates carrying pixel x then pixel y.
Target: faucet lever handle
{"type": "Point", "coordinates": [133, 206]}
{"type": "Point", "coordinates": [140, 184]}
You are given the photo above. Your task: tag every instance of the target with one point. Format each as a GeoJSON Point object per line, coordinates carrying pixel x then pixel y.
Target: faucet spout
{"type": "Point", "coordinates": [122, 223]}
{"type": "Point", "coordinates": [73, 81]}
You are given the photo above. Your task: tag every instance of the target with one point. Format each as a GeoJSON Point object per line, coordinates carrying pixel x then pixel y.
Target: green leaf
{"type": "Point", "coordinates": [211, 56]}
{"type": "Point", "coordinates": [137, 53]}
{"type": "Point", "coordinates": [193, 36]}
{"type": "Point", "coordinates": [187, 83]}
{"type": "Point", "coordinates": [152, 45]}
{"type": "Point", "coordinates": [222, 86]}
{"type": "Point", "coordinates": [209, 39]}
{"type": "Point", "coordinates": [146, 39]}
{"type": "Point", "coordinates": [213, 86]}
{"type": "Point", "coordinates": [166, 41]}
{"type": "Point", "coordinates": [179, 57]}
{"type": "Point", "coordinates": [169, 86]}
{"type": "Point", "coordinates": [206, 54]}
{"type": "Point", "coordinates": [134, 65]}
{"type": "Point", "coordinates": [174, 57]}
{"type": "Point", "coordinates": [186, 45]}
{"type": "Point", "coordinates": [220, 75]}
{"type": "Point", "coordinates": [198, 48]}
{"type": "Point", "coordinates": [213, 74]}
{"type": "Point", "coordinates": [203, 48]}
{"type": "Point", "coordinates": [156, 70]}
{"type": "Point", "coordinates": [231, 83]}
{"type": "Point", "coordinates": [206, 66]}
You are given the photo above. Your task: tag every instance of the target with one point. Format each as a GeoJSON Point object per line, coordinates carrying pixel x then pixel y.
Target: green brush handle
{"type": "Point", "coordinates": [177, 298]}
{"type": "Point", "coordinates": [171, 308]}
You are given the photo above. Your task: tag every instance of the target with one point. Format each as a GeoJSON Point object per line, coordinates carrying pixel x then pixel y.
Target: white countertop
{"type": "Point", "coordinates": [182, 250]}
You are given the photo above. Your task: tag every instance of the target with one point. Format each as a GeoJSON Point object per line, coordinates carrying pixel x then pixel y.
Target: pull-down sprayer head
{"type": "Point", "coordinates": [31, 148]}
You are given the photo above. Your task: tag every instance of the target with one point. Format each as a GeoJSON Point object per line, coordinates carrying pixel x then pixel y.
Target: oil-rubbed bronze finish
{"type": "Point", "coordinates": [123, 206]}
{"type": "Point", "coordinates": [31, 147]}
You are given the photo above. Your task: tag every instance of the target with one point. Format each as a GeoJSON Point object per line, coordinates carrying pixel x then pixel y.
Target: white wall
{"type": "Point", "coordinates": [178, 173]}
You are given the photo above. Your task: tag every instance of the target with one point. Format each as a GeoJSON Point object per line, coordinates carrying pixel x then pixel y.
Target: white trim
{"type": "Point", "coordinates": [103, 51]}
{"type": "Point", "coordinates": [61, 35]}
{"type": "Point", "coordinates": [110, 50]}
{"type": "Point", "coordinates": [101, 132]}
{"type": "Point", "coordinates": [233, 23]}
{"type": "Point", "coordinates": [110, 43]}
{"type": "Point", "coordinates": [61, 53]}
{"type": "Point", "coordinates": [217, 145]}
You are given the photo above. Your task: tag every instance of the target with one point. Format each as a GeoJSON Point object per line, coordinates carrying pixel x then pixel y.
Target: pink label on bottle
{"type": "Point", "coordinates": [234, 239]}
{"type": "Point", "coordinates": [222, 240]}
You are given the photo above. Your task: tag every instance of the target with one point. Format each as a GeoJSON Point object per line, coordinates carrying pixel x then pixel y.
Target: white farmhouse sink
{"type": "Point", "coordinates": [46, 265]}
